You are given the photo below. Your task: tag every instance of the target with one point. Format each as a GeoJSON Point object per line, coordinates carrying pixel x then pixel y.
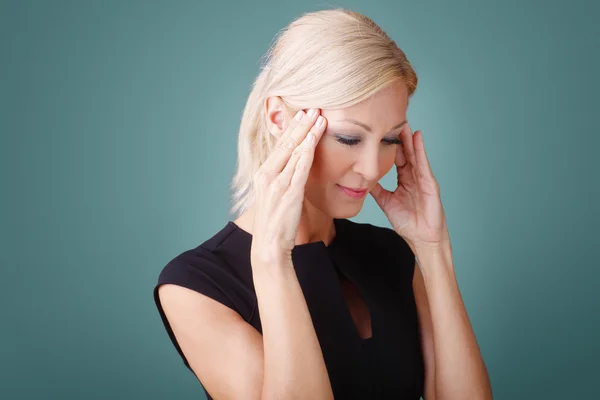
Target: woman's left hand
{"type": "Point", "coordinates": [414, 208]}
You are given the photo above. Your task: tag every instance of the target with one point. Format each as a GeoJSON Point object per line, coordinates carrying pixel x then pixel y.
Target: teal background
{"type": "Point", "coordinates": [119, 125]}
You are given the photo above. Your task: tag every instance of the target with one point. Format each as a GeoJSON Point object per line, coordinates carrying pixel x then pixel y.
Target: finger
{"type": "Point", "coordinates": [291, 138]}
{"type": "Point", "coordinates": [421, 155]}
{"type": "Point", "coordinates": [285, 176]}
{"type": "Point", "coordinates": [302, 170]}
{"type": "Point", "coordinates": [401, 157]}
{"type": "Point", "coordinates": [304, 163]}
{"type": "Point", "coordinates": [284, 145]}
{"type": "Point", "coordinates": [318, 128]}
{"type": "Point", "coordinates": [380, 194]}
{"type": "Point", "coordinates": [407, 144]}
{"type": "Point", "coordinates": [307, 146]}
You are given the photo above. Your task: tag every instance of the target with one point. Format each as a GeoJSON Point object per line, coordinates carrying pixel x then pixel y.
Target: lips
{"type": "Point", "coordinates": [353, 192]}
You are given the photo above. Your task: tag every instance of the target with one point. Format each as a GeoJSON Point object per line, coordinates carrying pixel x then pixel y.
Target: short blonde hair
{"type": "Point", "coordinates": [323, 59]}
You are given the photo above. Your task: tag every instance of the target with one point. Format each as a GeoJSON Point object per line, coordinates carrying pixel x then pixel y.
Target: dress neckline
{"type": "Point", "coordinates": [312, 249]}
{"type": "Point", "coordinates": [319, 243]}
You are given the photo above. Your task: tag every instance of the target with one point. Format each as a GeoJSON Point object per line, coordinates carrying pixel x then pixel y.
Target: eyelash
{"type": "Point", "coordinates": [353, 142]}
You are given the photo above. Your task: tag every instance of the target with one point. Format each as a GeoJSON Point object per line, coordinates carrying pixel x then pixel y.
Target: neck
{"type": "Point", "coordinates": [314, 225]}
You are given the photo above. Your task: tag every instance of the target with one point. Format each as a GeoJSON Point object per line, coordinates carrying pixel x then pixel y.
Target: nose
{"type": "Point", "coordinates": [367, 164]}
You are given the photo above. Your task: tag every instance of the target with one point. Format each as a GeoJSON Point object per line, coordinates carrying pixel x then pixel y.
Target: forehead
{"type": "Point", "coordinates": [382, 111]}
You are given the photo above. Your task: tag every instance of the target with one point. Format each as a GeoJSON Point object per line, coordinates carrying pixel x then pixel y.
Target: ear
{"type": "Point", "coordinates": [277, 115]}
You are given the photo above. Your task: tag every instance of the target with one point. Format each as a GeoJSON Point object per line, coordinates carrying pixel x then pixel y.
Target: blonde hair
{"type": "Point", "coordinates": [324, 59]}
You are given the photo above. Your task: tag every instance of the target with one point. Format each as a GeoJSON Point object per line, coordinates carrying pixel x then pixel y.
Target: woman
{"type": "Point", "coordinates": [294, 301]}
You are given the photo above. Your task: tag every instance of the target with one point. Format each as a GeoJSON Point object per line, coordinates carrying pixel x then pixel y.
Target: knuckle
{"type": "Point", "coordinates": [290, 196]}
{"type": "Point", "coordinates": [307, 123]}
{"type": "Point", "coordinates": [303, 167]}
{"type": "Point", "coordinates": [306, 161]}
{"type": "Point", "coordinates": [287, 143]}
{"type": "Point", "coordinates": [279, 185]}
{"type": "Point", "coordinates": [261, 177]}
{"type": "Point", "coordinates": [295, 193]}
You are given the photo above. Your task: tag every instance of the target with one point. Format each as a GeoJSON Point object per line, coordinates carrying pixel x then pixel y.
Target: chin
{"type": "Point", "coordinates": [333, 205]}
{"type": "Point", "coordinates": [348, 211]}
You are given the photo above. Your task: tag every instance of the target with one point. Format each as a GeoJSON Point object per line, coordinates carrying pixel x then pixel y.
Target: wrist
{"type": "Point", "coordinates": [442, 247]}
{"type": "Point", "coordinates": [433, 255]}
{"type": "Point", "coordinates": [273, 272]}
{"type": "Point", "coordinates": [271, 261]}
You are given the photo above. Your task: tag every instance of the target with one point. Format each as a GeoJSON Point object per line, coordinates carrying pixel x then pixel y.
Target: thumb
{"type": "Point", "coordinates": [380, 195]}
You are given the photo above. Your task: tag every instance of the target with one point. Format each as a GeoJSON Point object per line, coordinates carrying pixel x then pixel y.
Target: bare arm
{"type": "Point", "coordinates": [293, 360]}
{"type": "Point", "coordinates": [459, 371]}
{"type": "Point", "coordinates": [223, 350]}
{"type": "Point", "coordinates": [231, 358]}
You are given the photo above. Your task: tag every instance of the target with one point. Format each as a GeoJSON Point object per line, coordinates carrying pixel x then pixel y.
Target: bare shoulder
{"type": "Point", "coordinates": [224, 351]}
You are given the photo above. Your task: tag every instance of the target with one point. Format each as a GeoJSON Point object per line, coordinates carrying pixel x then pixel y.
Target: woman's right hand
{"type": "Point", "coordinates": [279, 189]}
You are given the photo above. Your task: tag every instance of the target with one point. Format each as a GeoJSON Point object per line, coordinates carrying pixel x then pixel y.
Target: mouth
{"type": "Point", "coordinates": [354, 193]}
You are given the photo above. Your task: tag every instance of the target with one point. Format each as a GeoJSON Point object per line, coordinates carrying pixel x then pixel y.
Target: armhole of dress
{"type": "Point", "coordinates": [253, 311]}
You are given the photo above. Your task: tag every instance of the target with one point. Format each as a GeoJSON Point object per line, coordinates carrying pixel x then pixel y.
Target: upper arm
{"type": "Point", "coordinates": [223, 350]}
{"type": "Point", "coordinates": [426, 329]}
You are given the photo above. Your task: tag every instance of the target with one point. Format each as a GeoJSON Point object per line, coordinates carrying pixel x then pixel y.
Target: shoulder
{"type": "Point", "coordinates": [215, 268]}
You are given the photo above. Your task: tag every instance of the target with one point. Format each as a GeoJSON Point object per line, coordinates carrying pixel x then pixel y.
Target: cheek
{"type": "Point", "coordinates": [328, 163]}
{"type": "Point", "coordinates": [332, 161]}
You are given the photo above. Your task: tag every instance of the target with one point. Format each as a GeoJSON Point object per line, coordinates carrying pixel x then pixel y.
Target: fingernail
{"type": "Point", "coordinates": [311, 112]}
{"type": "Point", "coordinates": [299, 115]}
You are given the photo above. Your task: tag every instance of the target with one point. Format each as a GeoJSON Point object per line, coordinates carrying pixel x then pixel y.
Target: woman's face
{"type": "Point", "coordinates": [356, 150]}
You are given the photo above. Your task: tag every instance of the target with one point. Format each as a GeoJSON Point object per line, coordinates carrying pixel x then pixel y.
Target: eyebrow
{"type": "Point", "coordinates": [367, 127]}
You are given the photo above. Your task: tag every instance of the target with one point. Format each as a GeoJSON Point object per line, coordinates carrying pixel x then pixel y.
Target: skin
{"type": "Point", "coordinates": [360, 165]}
{"type": "Point", "coordinates": [357, 166]}
{"type": "Point", "coordinates": [454, 368]}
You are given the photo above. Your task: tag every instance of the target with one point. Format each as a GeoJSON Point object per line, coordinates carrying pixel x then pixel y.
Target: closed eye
{"type": "Point", "coordinates": [353, 142]}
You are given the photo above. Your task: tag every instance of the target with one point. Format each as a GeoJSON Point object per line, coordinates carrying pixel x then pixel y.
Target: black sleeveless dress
{"type": "Point", "coordinates": [388, 365]}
